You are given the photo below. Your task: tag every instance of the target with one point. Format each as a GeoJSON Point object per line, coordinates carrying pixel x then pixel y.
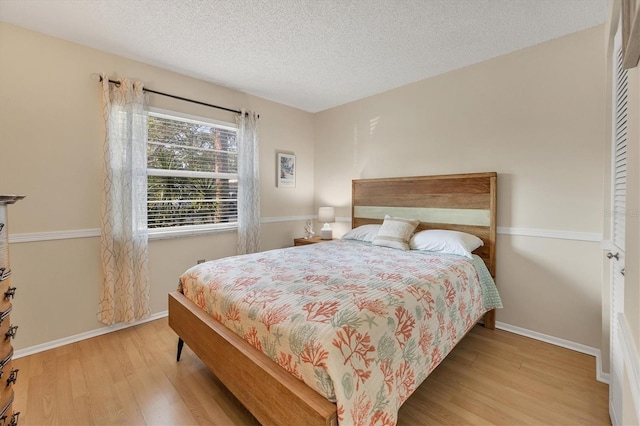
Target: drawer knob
{"type": "Point", "coordinates": [12, 422]}
{"type": "Point", "coordinates": [14, 419]}
{"type": "Point", "coordinates": [613, 256]}
{"type": "Point", "coordinates": [10, 293]}
{"type": "Point", "coordinates": [11, 333]}
{"type": "Point", "coordinates": [13, 376]}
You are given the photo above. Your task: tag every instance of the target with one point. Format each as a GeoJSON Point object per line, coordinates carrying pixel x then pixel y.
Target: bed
{"type": "Point", "coordinates": [262, 371]}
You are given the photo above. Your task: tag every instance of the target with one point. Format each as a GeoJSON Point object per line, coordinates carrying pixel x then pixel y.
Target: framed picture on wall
{"type": "Point", "coordinates": [285, 170]}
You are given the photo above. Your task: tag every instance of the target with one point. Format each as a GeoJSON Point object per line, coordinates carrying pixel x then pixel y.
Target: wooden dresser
{"type": "Point", "coordinates": [8, 374]}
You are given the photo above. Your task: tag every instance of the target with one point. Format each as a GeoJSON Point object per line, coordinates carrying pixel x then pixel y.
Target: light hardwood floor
{"type": "Point", "coordinates": [131, 377]}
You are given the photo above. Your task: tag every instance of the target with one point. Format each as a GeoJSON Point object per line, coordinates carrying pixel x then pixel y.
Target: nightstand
{"type": "Point", "coordinates": [305, 241]}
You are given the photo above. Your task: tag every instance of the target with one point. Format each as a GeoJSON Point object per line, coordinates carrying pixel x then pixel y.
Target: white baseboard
{"type": "Point", "coordinates": [578, 347]}
{"type": "Point", "coordinates": [82, 336]}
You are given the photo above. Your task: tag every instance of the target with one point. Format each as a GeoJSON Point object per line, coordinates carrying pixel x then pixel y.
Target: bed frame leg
{"type": "Point", "coordinates": [180, 345]}
{"type": "Point", "coordinates": [490, 320]}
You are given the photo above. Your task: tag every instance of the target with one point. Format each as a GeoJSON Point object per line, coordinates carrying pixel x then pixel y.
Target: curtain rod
{"type": "Point", "coordinates": [180, 98]}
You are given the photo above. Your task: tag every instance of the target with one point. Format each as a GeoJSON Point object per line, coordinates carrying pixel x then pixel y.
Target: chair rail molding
{"type": "Point", "coordinates": [502, 230]}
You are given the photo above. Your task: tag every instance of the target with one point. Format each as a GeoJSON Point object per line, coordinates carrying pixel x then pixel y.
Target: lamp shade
{"type": "Point", "coordinates": [326, 215]}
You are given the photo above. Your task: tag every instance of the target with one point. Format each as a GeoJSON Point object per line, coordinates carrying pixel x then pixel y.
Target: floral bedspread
{"type": "Point", "coordinates": [362, 325]}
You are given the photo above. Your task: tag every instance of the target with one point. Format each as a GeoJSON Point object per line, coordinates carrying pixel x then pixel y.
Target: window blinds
{"type": "Point", "coordinates": [192, 172]}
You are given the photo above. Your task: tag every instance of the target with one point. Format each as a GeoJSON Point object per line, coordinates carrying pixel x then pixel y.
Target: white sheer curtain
{"type": "Point", "coordinates": [125, 288]}
{"type": "Point", "coordinates": [248, 183]}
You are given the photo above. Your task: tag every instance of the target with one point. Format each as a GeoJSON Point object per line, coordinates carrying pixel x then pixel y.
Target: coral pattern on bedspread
{"type": "Point", "coordinates": [362, 325]}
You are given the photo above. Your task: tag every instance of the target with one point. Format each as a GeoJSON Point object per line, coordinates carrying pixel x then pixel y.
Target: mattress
{"type": "Point", "coordinates": [360, 324]}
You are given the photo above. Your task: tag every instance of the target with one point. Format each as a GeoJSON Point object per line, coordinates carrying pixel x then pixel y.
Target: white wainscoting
{"type": "Point", "coordinates": [550, 233]}
{"type": "Point", "coordinates": [32, 237]}
{"type": "Point", "coordinates": [287, 218]}
{"type": "Point", "coordinates": [525, 232]}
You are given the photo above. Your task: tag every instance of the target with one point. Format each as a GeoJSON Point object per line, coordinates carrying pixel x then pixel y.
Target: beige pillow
{"type": "Point", "coordinates": [395, 232]}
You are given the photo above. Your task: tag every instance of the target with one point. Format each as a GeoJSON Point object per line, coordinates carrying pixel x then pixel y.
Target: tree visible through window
{"type": "Point", "coordinates": [192, 171]}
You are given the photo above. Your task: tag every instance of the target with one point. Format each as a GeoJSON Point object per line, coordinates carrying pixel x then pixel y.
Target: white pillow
{"type": "Point", "coordinates": [395, 232]}
{"type": "Point", "coordinates": [441, 241]}
{"type": "Point", "coordinates": [362, 233]}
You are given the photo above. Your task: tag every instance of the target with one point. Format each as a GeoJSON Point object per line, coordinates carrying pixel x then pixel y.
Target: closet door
{"type": "Point", "coordinates": [619, 211]}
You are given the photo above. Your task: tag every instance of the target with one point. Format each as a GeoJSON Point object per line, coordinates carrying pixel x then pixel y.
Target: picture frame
{"type": "Point", "coordinates": [285, 170]}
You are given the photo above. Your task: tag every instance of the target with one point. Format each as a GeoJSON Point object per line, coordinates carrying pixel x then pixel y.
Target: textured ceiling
{"type": "Point", "coordinates": [310, 54]}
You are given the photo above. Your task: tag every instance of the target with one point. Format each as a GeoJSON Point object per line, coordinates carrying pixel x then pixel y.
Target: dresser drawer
{"type": "Point", "coordinates": [9, 377]}
{"type": "Point", "coordinates": [4, 238]}
{"type": "Point", "coordinates": [6, 412]}
{"type": "Point", "coordinates": [7, 332]}
{"type": "Point", "coordinates": [5, 368]}
{"type": "Point", "coordinates": [6, 354]}
{"type": "Point", "coordinates": [5, 314]}
{"type": "Point", "coordinates": [7, 416]}
{"type": "Point", "coordinates": [7, 291]}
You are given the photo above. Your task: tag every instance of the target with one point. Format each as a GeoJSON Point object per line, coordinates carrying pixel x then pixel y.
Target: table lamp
{"type": "Point", "coordinates": [326, 215]}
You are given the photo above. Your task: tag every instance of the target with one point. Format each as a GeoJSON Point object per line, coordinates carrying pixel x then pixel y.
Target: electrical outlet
{"type": "Point", "coordinates": [201, 261]}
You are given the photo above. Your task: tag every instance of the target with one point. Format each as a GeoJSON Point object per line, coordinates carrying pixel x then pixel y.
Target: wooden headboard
{"type": "Point", "coordinates": [460, 202]}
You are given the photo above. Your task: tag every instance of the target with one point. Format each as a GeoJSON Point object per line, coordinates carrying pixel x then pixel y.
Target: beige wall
{"type": "Point", "coordinates": [535, 116]}
{"type": "Point", "coordinates": [51, 135]}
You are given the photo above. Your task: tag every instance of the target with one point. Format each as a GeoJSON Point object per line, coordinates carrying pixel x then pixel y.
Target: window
{"type": "Point", "coordinates": [192, 168]}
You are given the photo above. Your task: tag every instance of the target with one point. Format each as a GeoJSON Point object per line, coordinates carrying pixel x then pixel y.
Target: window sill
{"type": "Point", "coordinates": [189, 231]}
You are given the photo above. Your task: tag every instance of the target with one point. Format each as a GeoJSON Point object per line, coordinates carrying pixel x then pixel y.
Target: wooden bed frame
{"type": "Point", "coordinates": [461, 202]}
{"type": "Point", "coordinates": [464, 202]}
